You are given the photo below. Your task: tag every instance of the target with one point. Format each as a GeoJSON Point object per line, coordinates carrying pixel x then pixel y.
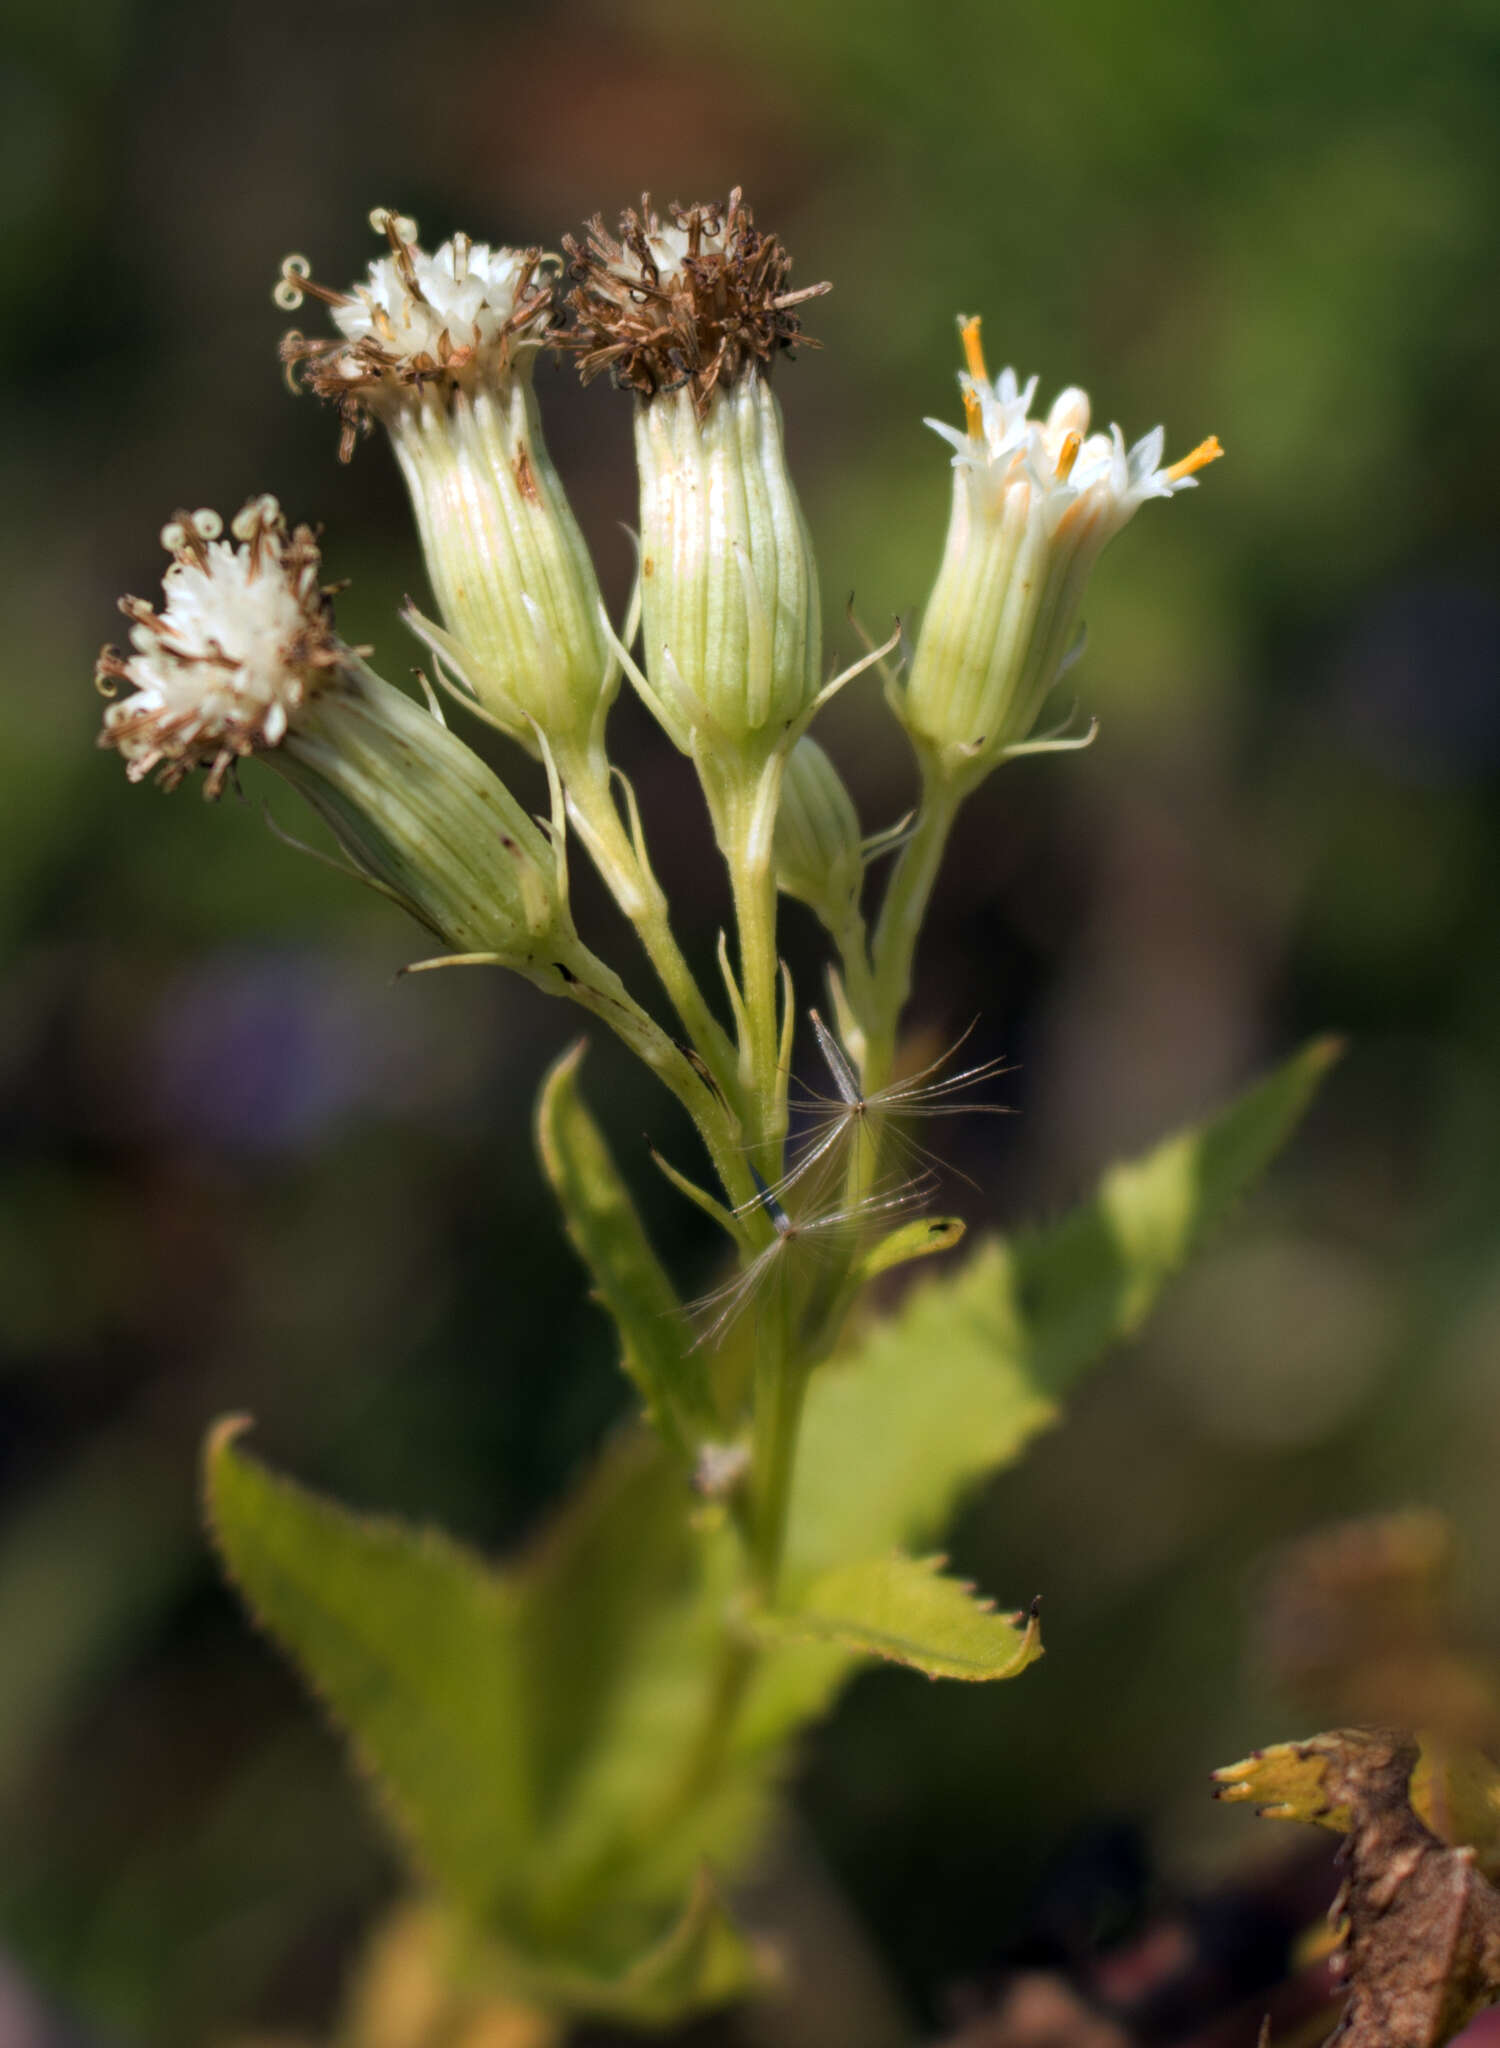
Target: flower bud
{"type": "Point", "coordinates": [1034, 502]}
{"type": "Point", "coordinates": [423, 816]}
{"type": "Point", "coordinates": [441, 348]}
{"type": "Point", "coordinates": [818, 848]}
{"type": "Point", "coordinates": [689, 314]}
{"type": "Point", "coordinates": [243, 659]}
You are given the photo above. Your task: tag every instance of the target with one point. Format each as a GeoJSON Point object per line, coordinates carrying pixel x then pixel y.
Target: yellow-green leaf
{"type": "Point", "coordinates": [591, 1589]}
{"type": "Point", "coordinates": [905, 1610]}
{"type": "Point", "coordinates": [412, 1644]}
{"type": "Point", "coordinates": [634, 1803]}
{"type": "Point", "coordinates": [975, 1362]}
{"type": "Point", "coordinates": [527, 1729]}
{"type": "Point", "coordinates": [922, 1238]}
{"type": "Point", "coordinates": [700, 1961]}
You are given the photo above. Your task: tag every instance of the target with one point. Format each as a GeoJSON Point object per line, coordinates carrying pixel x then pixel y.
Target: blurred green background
{"type": "Point", "coordinates": [245, 1168]}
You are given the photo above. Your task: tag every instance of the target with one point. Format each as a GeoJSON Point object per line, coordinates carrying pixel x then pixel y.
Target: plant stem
{"type": "Point", "coordinates": [755, 914]}
{"type": "Point", "coordinates": [628, 875]}
{"type": "Point", "coordinates": [900, 922]}
{"type": "Point", "coordinates": [878, 1000]}
{"type": "Point", "coordinates": [780, 1383]}
{"type": "Point", "coordinates": [782, 1364]}
{"type": "Point", "coordinates": [744, 814]}
{"type": "Point", "coordinates": [597, 989]}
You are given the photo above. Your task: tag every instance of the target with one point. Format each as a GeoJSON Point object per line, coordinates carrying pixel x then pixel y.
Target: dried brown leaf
{"type": "Point", "coordinates": [1420, 1949]}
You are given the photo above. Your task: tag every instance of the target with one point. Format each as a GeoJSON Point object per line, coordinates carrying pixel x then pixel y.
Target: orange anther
{"type": "Point", "coordinates": [1070, 447]}
{"type": "Point", "coordinates": [1205, 452]}
{"type": "Point", "coordinates": [968, 331]}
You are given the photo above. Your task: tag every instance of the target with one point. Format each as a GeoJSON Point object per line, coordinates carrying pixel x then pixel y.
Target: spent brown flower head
{"type": "Point", "coordinates": [699, 299]}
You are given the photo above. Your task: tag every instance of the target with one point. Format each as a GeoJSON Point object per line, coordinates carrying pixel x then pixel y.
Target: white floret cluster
{"type": "Point", "coordinates": [415, 304]}
{"type": "Point", "coordinates": [243, 637]}
{"type": "Point", "coordinates": [1056, 461]}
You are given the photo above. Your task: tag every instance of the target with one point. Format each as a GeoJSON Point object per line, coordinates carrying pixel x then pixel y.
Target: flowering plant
{"type": "Point", "coordinates": [583, 1751]}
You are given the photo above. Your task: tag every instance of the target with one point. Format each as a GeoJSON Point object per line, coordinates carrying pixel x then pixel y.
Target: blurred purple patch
{"type": "Point", "coordinates": [267, 1051]}
{"type": "Point", "coordinates": [23, 2023]}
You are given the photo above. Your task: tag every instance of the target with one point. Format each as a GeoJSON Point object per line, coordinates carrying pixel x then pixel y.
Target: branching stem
{"type": "Point", "coordinates": [628, 876]}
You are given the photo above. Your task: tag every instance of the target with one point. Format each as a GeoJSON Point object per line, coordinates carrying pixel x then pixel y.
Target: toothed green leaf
{"type": "Point", "coordinates": [973, 1364]}
{"type": "Point", "coordinates": [525, 1729]}
{"type": "Point", "coordinates": [412, 1644]}
{"type": "Point", "coordinates": [630, 1804]}
{"type": "Point", "coordinates": [905, 1610]}
{"type": "Point", "coordinates": [591, 1590]}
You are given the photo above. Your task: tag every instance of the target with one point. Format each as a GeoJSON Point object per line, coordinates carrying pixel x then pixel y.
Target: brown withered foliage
{"type": "Point", "coordinates": [1420, 1927]}
{"type": "Point", "coordinates": [723, 311]}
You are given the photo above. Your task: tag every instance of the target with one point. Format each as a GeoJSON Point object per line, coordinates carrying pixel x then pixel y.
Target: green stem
{"type": "Point", "coordinates": [744, 814]}
{"type": "Point", "coordinates": [628, 875]}
{"type": "Point", "coordinates": [783, 1362]}
{"type": "Point", "coordinates": [781, 1376]}
{"type": "Point", "coordinates": [780, 1384]}
{"type": "Point", "coordinates": [755, 915]}
{"type": "Point", "coordinates": [782, 1365]}
{"type": "Point", "coordinates": [900, 922]}
{"type": "Point", "coordinates": [599, 990]}
{"type": "Point", "coordinates": [881, 999]}
{"type": "Point", "coordinates": [853, 943]}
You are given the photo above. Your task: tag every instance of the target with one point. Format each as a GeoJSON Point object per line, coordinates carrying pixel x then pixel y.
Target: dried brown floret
{"type": "Point", "coordinates": [700, 299]}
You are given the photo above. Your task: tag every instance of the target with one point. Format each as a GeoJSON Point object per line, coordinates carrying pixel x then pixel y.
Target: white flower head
{"type": "Point", "coordinates": [245, 636]}
{"type": "Point", "coordinates": [1056, 460]}
{"type": "Point", "coordinates": [243, 658]}
{"type": "Point", "coordinates": [466, 313]}
{"type": "Point", "coordinates": [1034, 502]}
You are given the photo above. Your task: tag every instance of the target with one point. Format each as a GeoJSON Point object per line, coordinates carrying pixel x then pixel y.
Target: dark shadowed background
{"type": "Point", "coordinates": [243, 1167]}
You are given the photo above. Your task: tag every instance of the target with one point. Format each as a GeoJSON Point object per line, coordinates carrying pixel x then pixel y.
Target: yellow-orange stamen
{"type": "Point", "coordinates": [968, 332]}
{"type": "Point", "coordinates": [1206, 452]}
{"type": "Point", "coordinates": [1068, 457]}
